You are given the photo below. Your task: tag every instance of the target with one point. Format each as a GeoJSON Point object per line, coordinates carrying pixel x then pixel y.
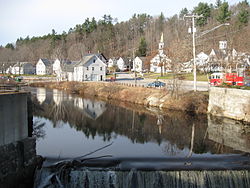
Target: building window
{"type": "Point", "coordinates": [93, 60]}
{"type": "Point", "coordinates": [100, 68]}
{"type": "Point", "coordinates": [87, 68]}
{"type": "Point", "coordinates": [93, 68]}
{"type": "Point", "coordinates": [86, 76]}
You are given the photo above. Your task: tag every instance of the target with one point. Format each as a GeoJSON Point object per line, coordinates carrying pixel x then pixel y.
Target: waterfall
{"type": "Point", "coordinates": [73, 178]}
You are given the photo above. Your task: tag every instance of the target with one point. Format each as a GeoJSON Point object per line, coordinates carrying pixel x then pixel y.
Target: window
{"type": "Point", "coordinates": [93, 68]}
{"type": "Point", "coordinates": [100, 68]}
{"type": "Point", "coordinates": [87, 68]}
{"type": "Point", "coordinates": [93, 60]}
{"type": "Point", "coordinates": [86, 76]}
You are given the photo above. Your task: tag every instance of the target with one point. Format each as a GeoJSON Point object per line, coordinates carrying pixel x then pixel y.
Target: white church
{"type": "Point", "coordinates": [160, 58]}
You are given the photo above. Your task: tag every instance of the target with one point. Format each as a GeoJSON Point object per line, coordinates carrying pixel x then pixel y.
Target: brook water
{"type": "Point", "coordinates": [123, 145]}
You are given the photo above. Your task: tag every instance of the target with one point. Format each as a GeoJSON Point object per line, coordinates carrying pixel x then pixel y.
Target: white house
{"type": "Point", "coordinates": [138, 64]}
{"type": "Point", "coordinates": [121, 64]}
{"type": "Point", "coordinates": [56, 67]}
{"type": "Point", "coordinates": [160, 57]}
{"type": "Point", "coordinates": [22, 68]}
{"type": "Point", "coordinates": [60, 69]}
{"type": "Point", "coordinates": [43, 67]}
{"type": "Point", "coordinates": [111, 62]}
{"type": "Point", "coordinates": [90, 68]}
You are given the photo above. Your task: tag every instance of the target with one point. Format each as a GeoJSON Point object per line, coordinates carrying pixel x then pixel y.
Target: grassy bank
{"type": "Point", "coordinates": [184, 76]}
{"type": "Point", "coordinates": [190, 102]}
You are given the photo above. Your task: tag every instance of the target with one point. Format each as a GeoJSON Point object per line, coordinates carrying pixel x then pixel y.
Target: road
{"type": "Point", "coordinates": [184, 84]}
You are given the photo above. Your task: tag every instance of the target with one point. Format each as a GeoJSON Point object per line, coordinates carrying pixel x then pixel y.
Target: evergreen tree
{"type": "Point", "coordinates": [223, 13]}
{"type": "Point", "coordinates": [204, 10]}
{"type": "Point", "coordinates": [142, 50]}
{"type": "Point", "coordinates": [161, 22]}
{"type": "Point", "coordinates": [218, 3]}
{"type": "Point", "coordinates": [183, 12]}
{"type": "Point", "coordinates": [10, 46]}
{"type": "Point", "coordinates": [243, 16]}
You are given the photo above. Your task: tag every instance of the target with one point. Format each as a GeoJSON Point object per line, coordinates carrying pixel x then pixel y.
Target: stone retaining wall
{"type": "Point", "coordinates": [230, 103]}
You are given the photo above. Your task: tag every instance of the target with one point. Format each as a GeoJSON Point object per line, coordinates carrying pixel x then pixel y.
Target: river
{"type": "Point", "coordinates": [68, 126]}
{"type": "Point", "coordinates": [88, 142]}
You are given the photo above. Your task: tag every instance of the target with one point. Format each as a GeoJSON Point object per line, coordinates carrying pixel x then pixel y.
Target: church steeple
{"type": "Point", "coordinates": [161, 45]}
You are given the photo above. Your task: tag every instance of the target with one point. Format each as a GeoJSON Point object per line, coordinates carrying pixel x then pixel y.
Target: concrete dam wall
{"type": "Point", "coordinates": [230, 103]}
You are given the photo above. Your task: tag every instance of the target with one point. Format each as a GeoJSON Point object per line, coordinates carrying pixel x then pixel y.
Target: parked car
{"type": "Point", "coordinates": [156, 84]}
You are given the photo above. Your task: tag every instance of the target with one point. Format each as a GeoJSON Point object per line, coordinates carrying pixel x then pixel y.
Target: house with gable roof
{"type": "Point", "coordinates": [44, 67]}
{"type": "Point", "coordinates": [91, 68]}
{"type": "Point", "coordinates": [138, 64]}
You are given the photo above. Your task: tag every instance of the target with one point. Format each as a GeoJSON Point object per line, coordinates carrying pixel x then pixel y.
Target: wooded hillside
{"type": "Point", "coordinates": [141, 32]}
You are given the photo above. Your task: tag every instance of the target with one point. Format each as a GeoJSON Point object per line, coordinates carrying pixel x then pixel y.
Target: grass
{"type": "Point", "coordinates": [184, 76]}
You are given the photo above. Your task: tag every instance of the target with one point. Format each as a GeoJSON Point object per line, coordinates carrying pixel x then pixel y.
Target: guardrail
{"type": "Point", "coordinates": [9, 88]}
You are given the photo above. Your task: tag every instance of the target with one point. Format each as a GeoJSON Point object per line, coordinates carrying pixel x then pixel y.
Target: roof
{"type": "Point", "coordinates": [218, 53]}
{"type": "Point", "coordinates": [20, 64]}
{"type": "Point", "coordinates": [47, 62]}
{"type": "Point", "coordinates": [69, 67]}
{"type": "Point", "coordinates": [87, 58]}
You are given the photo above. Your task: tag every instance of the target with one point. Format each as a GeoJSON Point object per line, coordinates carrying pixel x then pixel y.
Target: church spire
{"type": "Point", "coordinates": [161, 41]}
{"type": "Point", "coordinates": [161, 44]}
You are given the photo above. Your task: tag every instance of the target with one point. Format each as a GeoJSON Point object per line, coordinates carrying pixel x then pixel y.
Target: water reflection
{"type": "Point", "coordinates": [135, 130]}
{"type": "Point", "coordinates": [227, 132]}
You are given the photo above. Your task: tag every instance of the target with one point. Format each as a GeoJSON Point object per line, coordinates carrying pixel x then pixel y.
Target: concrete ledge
{"type": "Point", "coordinates": [231, 103]}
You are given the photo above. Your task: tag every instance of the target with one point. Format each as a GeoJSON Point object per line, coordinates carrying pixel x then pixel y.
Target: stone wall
{"type": "Point", "coordinates": [16, 155]}
{"type": "Point", "coordinates": [230, 103]}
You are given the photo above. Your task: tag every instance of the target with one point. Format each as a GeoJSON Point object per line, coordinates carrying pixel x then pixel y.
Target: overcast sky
{"type": "Point", "coordinates": [20, 18]}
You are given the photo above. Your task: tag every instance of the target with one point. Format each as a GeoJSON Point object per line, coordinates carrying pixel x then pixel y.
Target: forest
{"type": "Point", "coordinates": [140, 34]}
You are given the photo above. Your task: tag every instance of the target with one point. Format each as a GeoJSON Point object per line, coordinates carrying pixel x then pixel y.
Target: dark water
{"type": "Point", "coordinates": [69, 126]}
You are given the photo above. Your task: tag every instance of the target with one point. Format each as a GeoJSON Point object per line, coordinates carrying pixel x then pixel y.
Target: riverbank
{"type": "Point", "coordinates": [190, 102]}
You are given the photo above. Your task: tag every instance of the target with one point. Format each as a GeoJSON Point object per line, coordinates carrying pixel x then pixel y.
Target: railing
{"type": "Point", "coordinates": [9, 88]}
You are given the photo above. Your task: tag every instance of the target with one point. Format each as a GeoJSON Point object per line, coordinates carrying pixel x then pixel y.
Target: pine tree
{"type": "Point", "coordinates": [204, 10]}
{"type": "Point", "coordinates": [223, 13]}
{"type": "Point", "coordinates": [142, 50]}
{"type": "Point", "coordinates": [218, 3]}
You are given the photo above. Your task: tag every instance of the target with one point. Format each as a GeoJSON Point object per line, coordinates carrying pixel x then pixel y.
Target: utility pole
{"type": "Point", "coordinates": [193, 30]}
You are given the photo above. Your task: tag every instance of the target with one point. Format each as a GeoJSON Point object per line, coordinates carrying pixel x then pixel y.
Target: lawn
{"type": "Point", "coordinates": [184, 76]}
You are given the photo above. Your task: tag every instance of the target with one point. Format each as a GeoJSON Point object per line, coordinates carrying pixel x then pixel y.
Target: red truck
{"type": "Point", "coordinates": [217, 79]}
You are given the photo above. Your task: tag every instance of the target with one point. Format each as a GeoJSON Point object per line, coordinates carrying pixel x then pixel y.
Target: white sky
{"type": "Point", "coordinates": [20, 18]}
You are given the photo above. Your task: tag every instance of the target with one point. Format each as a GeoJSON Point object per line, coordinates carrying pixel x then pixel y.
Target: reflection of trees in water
{"type": "Point", "coordinates": [136, 123]}
{"type": "Point", "coordinates": [60, 113]}
{"type": "Point", "coordinates": [38, 131]}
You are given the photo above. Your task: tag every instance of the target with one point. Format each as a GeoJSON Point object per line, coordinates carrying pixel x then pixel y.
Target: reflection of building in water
{"type": "Point", "coordinates": [78, 102]}
{"type": "Point", "coordinates": [41, 94]}
{"type": "Point", "coordinates": [93, 109]}
{"type": "Point", "coordinates": [58, 96]}
{"type": "Point", "coordinates": [159, 123]}
{"type": "Point", "coordinates": [229, 133]}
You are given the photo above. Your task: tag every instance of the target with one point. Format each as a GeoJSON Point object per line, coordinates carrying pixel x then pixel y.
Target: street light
{"type": "Point", "coordinates": [193, 31]}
